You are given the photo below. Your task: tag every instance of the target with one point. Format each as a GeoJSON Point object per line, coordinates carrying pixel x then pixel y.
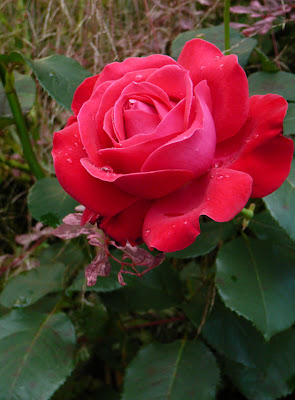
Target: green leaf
{"type": "Point", "coordinates": [289, 121]}
{"type": "Point", "coordinates": [265, 227]}
{"type": "Point", "coordinates": [266, 64]}
{"type": "Point", "coordinates": [5, 121]}
{"type": "Point", "coordinates": [281, 83]}
{"type": "Point", "coordinates": [49, 203]}
{"type": "Point", "coordinates": [37, 354]}
{"type": "Point", "coordinates": [26, 91]}
{"type": "Point", "coordinates": [28, 287]}
{"type": "Point", "coordinates": [177, 371]}
{"type": "Point", "coordinates": [281, 204]}
{"type": "Point", "coordinates": [240, 45]}
{"type": "Point", "coordinates": [67, 253]}
{"type": "Point", "coordinates": [256, 279]}
{"type": "Point", "coordinates": [212, 233]}
{"type": "Point", "coordinates": [271, 381]}
{"type": "Point", "coordinates": [234, 337]}
{"type": "Point", "coordinates": [158, 289]}
{"type": "Point", "coordinates": [59, 76]}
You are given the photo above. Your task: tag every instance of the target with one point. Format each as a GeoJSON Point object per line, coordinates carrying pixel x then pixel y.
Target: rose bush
{"type": "Point", "coordinates": [154, 144]}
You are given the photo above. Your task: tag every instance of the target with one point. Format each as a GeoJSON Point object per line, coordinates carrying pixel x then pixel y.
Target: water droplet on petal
{"type": "Point", "coordinates": [146, 232]}
{"type": "Point", "coordinates": [173, 226]}
{"type": "Point", "coordinates": [256, 136]}
{"type": "Point", "coordinates": [207, 198]}
{"type": "Point", "coordinates": [203, 67]}
{"type": "Point", "coordinates": [185, 222]}
{"type": "Point", "coordinates": [216, 165]}
{"type": "Point", "coordinates": [221, 66]}
{"type": "Point", "coordinates": [69, 160]}
{"type": "Point", "coordinates": [107, 169]}
{"type": "Point", "coordinates": [216, 58]}
{"type": "Point", "coordinates": [227, 176]}
{"type": "Point", "coordinates": [220, 177]}
{"type": "Point", "coordinates": [76, 144]}
{"type": "Point", "coordinates": [138, 77]}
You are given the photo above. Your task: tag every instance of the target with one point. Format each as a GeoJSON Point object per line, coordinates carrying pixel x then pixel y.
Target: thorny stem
{"type": "Point", "coordinates": [226, 20]}
{"type": "Point", "coordinates": [9, 88]}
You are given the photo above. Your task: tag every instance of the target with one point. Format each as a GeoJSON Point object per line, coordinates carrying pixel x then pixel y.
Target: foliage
{"type": "Point", "coordinates": [214, 321]}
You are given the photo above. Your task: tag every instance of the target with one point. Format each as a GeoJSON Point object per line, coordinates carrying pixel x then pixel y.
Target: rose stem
{"type": "Point", "coordinates": [226, 21]}
{"type": "Point", "coordinates": [8, 84]}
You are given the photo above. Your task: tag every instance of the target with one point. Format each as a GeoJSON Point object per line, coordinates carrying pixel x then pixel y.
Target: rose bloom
{"type": "Point", "coordinates": [154, 144]}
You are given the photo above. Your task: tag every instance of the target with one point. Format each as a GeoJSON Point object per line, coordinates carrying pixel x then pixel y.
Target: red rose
{"type": "Point", "coordinates": [156, 143]}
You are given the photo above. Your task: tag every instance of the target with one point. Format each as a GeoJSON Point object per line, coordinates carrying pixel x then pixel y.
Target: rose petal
{"type": "Point", "coordinates": [148, 185]}
{"type": "Point", "coordinates": [141, 92]}
{"type": "Point", "coordinates": [139, 122]}
{"type": "Point", "coordinates": [192, 150]}
{"type": "Point", "coordinates": [101, 197]}
{"type": "Point", "coordinates": [130, 159]}
{"type": "Point", "coordinates": [171, 79]}
{"type": "Point", "coordinates": [172, 123]}
{"type": "Point", "coordinates": [92, 141]}
{"type": "Point", "coordinates": [83, 93]}
{"type": "Point", "coordinates": [116, 70]}
{"type": "Point", "coordinates": [259, 149]}
{"type": "Point", "coordinates": [127, 225]}
{"type": "Point", "coordinates": [227, 82]}
{"type": "Point", "coordinates": [172, 223]}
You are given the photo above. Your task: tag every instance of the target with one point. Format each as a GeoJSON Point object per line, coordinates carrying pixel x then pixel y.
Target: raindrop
{"type": "Point", "coordinates": [220, 177]}
{"type": "Point", "coordinates": [216, 165]}
{"type": "Point", "coordinates": [207, 198]}
{"type": "Point", "coordinates": [51, 74]}
{"type": "Point", "coordinates": [185, 222]}
{"type": "Point", "coordinates": [221, 66]}
{"type": "Point", "coordinates": [227, 176]}
{"type": "Point", "coordinates": [256, 136]}
{"type": "Point", "coordinates": [173, 226]}
{"type": "Point", "coordinates": [69, 160]}
{"type": "Point", "coordinates": [76, 144]}
{"type": "Point", "coordinates": [146, 232]}
{"type": "Point", "coordinates": [107, 169]}
{"type": "Point", "coordinates": [216, 58]}
{"type": "Point", "coordinates": [203, 67]}
{"type": "Point", "coordinates": [138, 77]}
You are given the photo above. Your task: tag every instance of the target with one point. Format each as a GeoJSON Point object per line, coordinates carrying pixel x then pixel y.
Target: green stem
{"type": "Point", "coordinates": [226, 20]}
{"type": "Point", "coordinates": [20, 123]}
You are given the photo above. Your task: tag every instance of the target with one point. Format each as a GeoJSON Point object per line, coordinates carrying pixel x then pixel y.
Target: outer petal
{"type": "Point", "coordinates": [91, 139]}
{"type": "Point", "coordinates": [259, 149]}
{"type": "Point", "coordinates": [127, 225]}
{"type": "Point", "coordinates": [148, 185]}
{"type": "Point", "coordinates": [83, 93]}
{"type": "Point", "coordinates": [116, 70]}
{"type": "Point", "coordinates": [172, 223]}
{"type": "Point", "coordinates": [98, 196]}
{"type": "Point", "coordinates": [227, 82]}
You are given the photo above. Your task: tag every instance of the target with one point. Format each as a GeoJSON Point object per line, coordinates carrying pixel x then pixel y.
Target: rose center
{"type": "Point", "coordinates": [139, 118]}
